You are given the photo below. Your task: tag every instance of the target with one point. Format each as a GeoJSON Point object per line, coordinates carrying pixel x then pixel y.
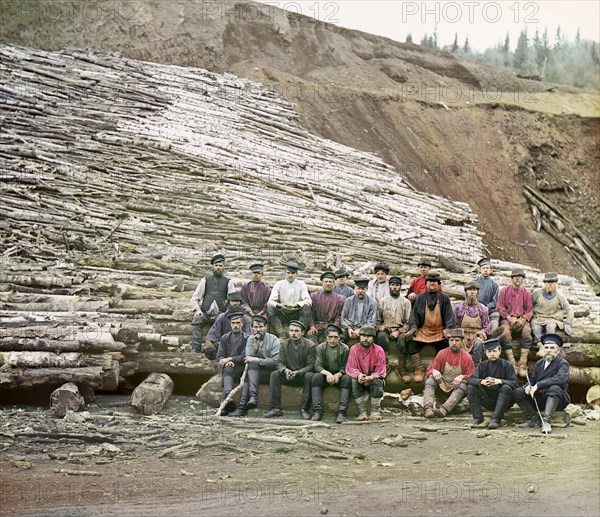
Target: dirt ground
{"type": "Point", "coordinates": [220, 469]}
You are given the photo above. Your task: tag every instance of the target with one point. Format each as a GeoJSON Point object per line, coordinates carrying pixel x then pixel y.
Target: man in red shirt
{"type": "Point", "coordinates": [418, 285]}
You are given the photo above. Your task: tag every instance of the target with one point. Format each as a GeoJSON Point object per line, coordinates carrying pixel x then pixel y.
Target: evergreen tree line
{"type": "Point", "coordinates": [562, 60]}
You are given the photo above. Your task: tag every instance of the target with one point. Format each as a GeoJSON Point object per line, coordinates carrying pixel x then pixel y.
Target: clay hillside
{"type": "Point", "coordinates": [523, 154]}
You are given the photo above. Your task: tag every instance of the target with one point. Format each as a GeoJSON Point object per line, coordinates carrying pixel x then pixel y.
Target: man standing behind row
{"type": "Point", "coordinates": [326, 308]}
{"type": "Point", "coordinates": [341, 277]}
{"type": "Point", "coordinates": [378, 286]}
{"type": "Point", "coordinates": [488, 291]}
{"type": "Point", "coordinates": [419, 285]}
{"type": "Point", "coordinates": [358, 310]}
{"type": "Point", "coordinates": [255, 294]}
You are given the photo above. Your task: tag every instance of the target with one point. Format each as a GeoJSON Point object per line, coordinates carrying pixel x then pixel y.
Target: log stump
{"type": "Point", "coordinates": [66, 398]}
{"type": "Point", "coordinates": [150, 396]}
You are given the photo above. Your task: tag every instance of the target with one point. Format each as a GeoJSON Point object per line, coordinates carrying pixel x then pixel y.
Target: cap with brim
{"type": "Point", "coordinates": [257, 268]}
{"type": "Point", "coordinates": [382, 266]}
{"type": "Point", "coordinates": [550, 277]}
{"type": "Point", "coordinates": [433, 277]}
{"type": "Point", "coordinates": [361, 282]}
{"type": "Point", "coordinates": [485, 261]}
{"type": "Point", "coordinates": [340, 273]}
{"type": "Point", "coordinates": [260, 319]}
{"type": "Point", "coordinates": [472, 285]}
{"type": "Point", "coordinates": [292, 266]}
{"type": "Point", "coordinates": [549, 339]}
{"type": "Point", "coordinates": [490, 344]}
{"type": "Point", "coordinates": [327, 274]}
{"type": "Point", "coordinates": [334, 328]}
{"type": "Point", "coordinates": [517, 272]}
{"type": "Point", "coordinates": [235, 315]}
{"type": "Point", "coordinates": [217, 258]}
{"type": "Point", "coordinates": [234, 297]}
{"type": "Point", "coordinates": [424, 262]}
{"type": "Point", "coordinates": [395, 280]}
{"type": "Point", "coordinates": [457, 332]}
{"type": "Point", "coordinates": [299, 324]}
{"type": "Point", "coordinates": [367, 330]}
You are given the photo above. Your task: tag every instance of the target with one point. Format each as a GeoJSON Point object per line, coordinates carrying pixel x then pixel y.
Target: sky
{"type": "Point", "coordinates": [485, 23]}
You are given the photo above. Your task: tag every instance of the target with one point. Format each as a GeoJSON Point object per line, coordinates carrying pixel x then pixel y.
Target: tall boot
{"type": "Point", "coordinates": [227, 387]}
{"type": "Point", "coordinates": [551, 405]}
{"type": "Point", "coordinates": [428, 399]}
{"type": "Point", "coordinates": [523, 362]}
{"type": "Point", "coordinates": [276, 326]}
{"type": "Point", "coordinates": [475, 405]}
{"type": "Point", "coordinates": [361, 405]}
{"type": "Point", "coordinates": [401, 369]}
{"type": "Point", "coordinates": [375, 408]}
{"type": "Point", "coordinates": [455, 397]}
{"type": "Point", "coordinates": [343, 407]}
{"type": "Point", "coordinates": [241, 408]}
{"type": "Point", "coordinates": [317, 402]}
{"type": "Point", "coordinates": [502, 405]}
{"type": "Point", "coordinates": [510, 355]}
{"type": "Point", "coordinates": [533, 420]}
{"type": "Point", "coordinates": [419, 369]}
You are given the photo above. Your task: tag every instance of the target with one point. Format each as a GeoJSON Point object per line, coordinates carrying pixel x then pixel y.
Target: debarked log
{"type": "Point", "coordinates": [66, 398]}
{"type": "Point", "coordinates": [173, 362]}
{"type": "Point", "coordinates": [22, 344]}
{"type": "Point", "coordinates": [150, 396]}
{"type": "Point", "coordinates": [582, 354]}
{"type": "Point", "coordinates": [584, 375]}
{"type": "Point", "coordinates": [40, 359]}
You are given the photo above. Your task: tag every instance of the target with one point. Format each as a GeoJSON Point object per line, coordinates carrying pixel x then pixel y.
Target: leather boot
{"type": "Point", "coordinates": [343, 407]}
{"type": "Point", "coordinates": [419, 369]}
{"type": "Point", "coordinates": [551, 405]}
{"type": "Point", "coordinates": [455, 397]}
{"type": "Point", "coordinates": [317, 400]}
{"type": "Point", "coordinates": [533, 420]}
{"type": "Point", "coordinates": [428, 399]}
{"type": "Point", "coordinates": [401, 369]}
{"type": "Point", "coordinates": [375, 408]}
{"type": "Point", "coordinates": [502, 405]}
{"type": "Point", "coordinates": [522, 371]}
{"type": "Point", "coordinates": [475, 405]}
{"type": "Point", "coordinates": [361, 406]}
{"type": "Point", "coordinates": [510, 355]}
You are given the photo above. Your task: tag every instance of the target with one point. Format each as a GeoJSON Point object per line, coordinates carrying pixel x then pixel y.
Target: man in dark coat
{"type": "Point", "coordinates": [548, 385]}
{"type": "Point", "coordinates": [222, 325]}
{"type": "Point", "coordinates": [491, 385]}
{"type": "Point", "coordinates": [256, 292]}
{"type": "Point", "coordinates": [326, 308]}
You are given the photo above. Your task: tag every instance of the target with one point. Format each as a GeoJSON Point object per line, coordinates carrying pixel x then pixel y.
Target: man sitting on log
{"type": "Point", "coordinates": [431, 315]}
{"type": "Point", "coordinates": [341, 277]}
{"type": "Point", "coordinates": [256, 292]}
{"type": "Point", "coordinates": [491, 385]}
{"type": "Point", "coordinates": [419, 285]}
{"type": "Point", "coordinates": [473, 317]}
{"type": "Point", "coordinates": [295, 367]}
{"type": "Point", "coordinates": [488, 291]}
{"type": "Point", "coordinates": [330, 370]}
{"type": "Point", "coordinates": [379, 287]}
{"type": "Point", "coordinates": [551, 310]}
{"type": "Point", "coordinates": [548, 385]}
{"type": "Point", "coordinates": [289, 300]}
{"type": "Point", "coordinates": [515, 306]}
{"type": "Point", "coordinates": [208, 301]}
{"type": "Point", "coordinates": [230, 356]}
{"type": "Point", "coordinates": [366, 367]}
{"type": "Point", "coordinates": [358, 310]}
{"type": "Point", "coordinates": [447, 374]}
{"type": "Point", "coordinates": [222, 325]}
{"type": "Point", "coordinates": [326, 308]}
{"type": "Point", "coordinates": [262, 352]}
{"type": "Point", "coordinates": [393, 315]}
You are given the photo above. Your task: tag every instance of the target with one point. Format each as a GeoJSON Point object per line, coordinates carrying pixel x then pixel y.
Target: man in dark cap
{"type": "Point", "coordinates": [326, 308]}
{"type": "Point", "coordinates": [366, 367]}
{"type": "Point", "coordinates": [488, 291]}
{"type": "Point", "coordinates": [289, 300]}
{"type": "Point", "coordinates": [341, 277]}
{"type": "Point", "coordinates": [447, 374]}
{"type": "Point", "coordinates": [256, 292]}
{"type": "Point", "coordinates": [491, 385]}
{"type": "Point", "coordinates": [418, 285]}
{"type": "Point", "coordinates": [515, 306]}
{"type": "Point", "coordinates": [473, 317]}
{"type": "Point", "coordinates": [548, 385]}
{"type": "Point", "coordinates": [431, 315]}
{"type": "Point", "coordinates": [230, 356]}
{"type": "Point", "coordinates": [551, 310]}
{"type": "Point", "coordinates": [358, 310]}
{"type": "Point", "coordinates": [295, 367]}
{"type": "Point", "coordinates": [221, 325]}
{"type": "Point", "coordinates": [379, 287]}
{"type": "Point", "coordinates": [262, 353]}
{"type": "Point", "coordinates": [330, 370]}
{"type": "Point", "coordinates": [209, 300]}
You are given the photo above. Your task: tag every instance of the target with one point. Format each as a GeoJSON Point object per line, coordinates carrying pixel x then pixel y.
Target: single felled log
{"type": "Point", "coordinates": [17, 378]}
{"type": "Point", "coordinates": [40, 359]}
{"type": "Point", "coordinates": [150, 396]}
{"type": "Point", "coordinates": [55, 345]}
{"type": "Point", "coordinates": [66, 398]}
{"type": "Point", "coordinates": [173, 362]}
{"type": "Point", "coordinates": [582, 354]}
{"type": "Point", "coordinates": [585, 376]}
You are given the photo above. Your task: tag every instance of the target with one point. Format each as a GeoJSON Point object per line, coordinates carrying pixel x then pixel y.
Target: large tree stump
{"type": "Point", "coordinates": [66, 398]}
{"type": "Point", "coordinates": [150, 396]}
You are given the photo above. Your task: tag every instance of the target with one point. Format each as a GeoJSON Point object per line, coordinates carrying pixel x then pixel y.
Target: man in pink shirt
{"type": "Point", "coordinates": [366, 367]}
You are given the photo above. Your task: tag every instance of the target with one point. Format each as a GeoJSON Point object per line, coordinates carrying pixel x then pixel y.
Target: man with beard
{"type": "Point", "coordinates": [491, 385]}
{"type": "Point", "coordinates": [393, 314]}
{"type": "Point", "coordinates": [262, 352]}
{"type": "Point", "coordinates": [548, 385]}
{"type": "Point", "coordinates": [330, 370]}
{"type": "Point", "coordinates": [230, 356]}
{"type": "Point", "coordinates": [515, 306]}
{"type": "Point", "coordinates": [551, 310]}
{"type": "Point", "coordinates": [431, 315]}
{"type": "Point", "coordinates": [221, 325]}
{"type": "Point", "coordinates": [341, 277]}
{"type": "Point", "coordinates": [447, 374]}
{"type": "Point", "coordinates": [366, 367]}
{"type": "Point", "coordinates": [419, 285]}
{"type": "Point", "coordinates": [473, 318]}
{"type": "Point", "coordinates": [295, 367]}
{"type": "Point", "coordinates": [209, 300]}
{"type": "Point", "coordinates": [378, 286]}
{"type": "Point", "coordinates": [256, 292]}
{"type": "Point", "coordinates": [289, 300]}
{"type": "Point", "coordinates": [326, 308]}
{"type": "Point", "coordinates": [488, 291]}
{"type": "Point", "coordinates": [358, 310]}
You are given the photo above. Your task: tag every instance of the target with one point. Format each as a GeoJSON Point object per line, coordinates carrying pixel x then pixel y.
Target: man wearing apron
{"type": "Point", "coordinates": [447, 375]}
{"type": "Point", "coordinates": [473, 318]}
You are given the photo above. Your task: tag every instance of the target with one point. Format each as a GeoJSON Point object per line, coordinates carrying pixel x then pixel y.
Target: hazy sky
{"type": "Point", "coordinates": [486, 23]}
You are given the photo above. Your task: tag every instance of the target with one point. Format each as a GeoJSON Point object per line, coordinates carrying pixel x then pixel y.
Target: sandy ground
{"type": "Point", "coordinates": [450, 469]}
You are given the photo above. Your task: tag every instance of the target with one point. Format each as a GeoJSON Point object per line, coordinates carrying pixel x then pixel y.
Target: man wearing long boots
{"type": "Point", "coordinates": [295, 367]}
{"type": "Point", "coordinates": [491, 385]}
{"type": "Point", "coordinates": [448, 374]}
{"type": "Point", "coordinates": [262, 352]}
{"type": "Point", "coordinates": [366, 366]}
{"type": "Point", "coordinates": [330, 370]}
{"type": "Point", "coordinates": [473, 317]}
{"type": "Point", "coordinates": [548, 385]}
